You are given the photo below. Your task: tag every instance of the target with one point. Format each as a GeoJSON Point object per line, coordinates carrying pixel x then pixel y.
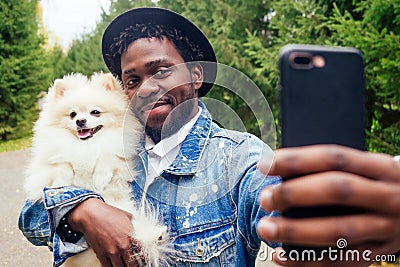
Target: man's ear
{"type": "Point", "coordinates": [197, 75]}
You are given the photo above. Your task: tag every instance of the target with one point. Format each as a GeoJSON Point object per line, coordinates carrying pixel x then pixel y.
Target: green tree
{"type": "Point", "coordinates": [377, 35]}
{"type": "Point", "coordinates": [23, 67]}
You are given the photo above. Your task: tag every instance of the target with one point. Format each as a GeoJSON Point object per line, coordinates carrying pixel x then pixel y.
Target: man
{"type": "Point", "coordinates": [204, 180]}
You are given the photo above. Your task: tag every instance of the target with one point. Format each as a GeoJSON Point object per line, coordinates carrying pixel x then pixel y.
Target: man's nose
{"type": "Point", "coordinates": [148, 87]}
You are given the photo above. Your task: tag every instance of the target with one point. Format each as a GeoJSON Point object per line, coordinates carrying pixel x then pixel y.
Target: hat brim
{"type": "Point", "coordinates": [168, 18]}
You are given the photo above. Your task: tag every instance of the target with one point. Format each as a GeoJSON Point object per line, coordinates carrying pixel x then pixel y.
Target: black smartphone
{"type": "Point", "coordinates": [322, 102]}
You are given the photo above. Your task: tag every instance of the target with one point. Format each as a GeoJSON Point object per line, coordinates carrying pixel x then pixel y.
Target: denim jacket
{"type": "Point", "coordinates": [208, 198]}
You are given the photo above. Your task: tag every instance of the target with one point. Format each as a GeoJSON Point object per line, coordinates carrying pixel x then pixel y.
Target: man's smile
{"type": "Point", "coordinates": [155, 104]}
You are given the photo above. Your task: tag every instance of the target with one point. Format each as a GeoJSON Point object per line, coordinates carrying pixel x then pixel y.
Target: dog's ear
{"type": "Point", "coordinates": [111, 83]}
{"type": "Point", "coordinates": [59, 88]}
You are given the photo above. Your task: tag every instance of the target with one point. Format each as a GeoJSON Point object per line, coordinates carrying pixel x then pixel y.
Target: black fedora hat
{"type": "Point", "coordinates": [168, 18]}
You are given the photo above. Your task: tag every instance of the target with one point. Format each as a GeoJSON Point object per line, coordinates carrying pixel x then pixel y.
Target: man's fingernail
{"type": "Point", "coordinates": [266, 199]}
{"type": "Point", "coordinates": [267, 228]}
{"type": "Point", "coordinates": [264, 165]}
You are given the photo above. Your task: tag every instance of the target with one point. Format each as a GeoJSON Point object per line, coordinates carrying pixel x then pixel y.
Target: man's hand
{"type": "Point", "coordinates": [335, 175]}
{"type": "Point", "coordinates": [108, 231]}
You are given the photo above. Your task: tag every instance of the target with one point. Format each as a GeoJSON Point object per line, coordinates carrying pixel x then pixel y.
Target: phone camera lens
{"type": "Point", "coordinates": [302, 60]}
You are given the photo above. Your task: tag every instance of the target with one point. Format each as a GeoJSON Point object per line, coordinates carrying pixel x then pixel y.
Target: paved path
{"type": "Point", "coordinates": [15, 250]}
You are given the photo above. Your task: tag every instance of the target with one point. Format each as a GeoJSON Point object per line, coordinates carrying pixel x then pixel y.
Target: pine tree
{"type": "Point", "coordinates": [23, 68]}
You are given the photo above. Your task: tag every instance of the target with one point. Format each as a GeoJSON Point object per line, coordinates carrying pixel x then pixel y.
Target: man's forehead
{"type": "Point", "coordinates": [155, 48]}
{"type": "Point", "coordinates": [149, 64]}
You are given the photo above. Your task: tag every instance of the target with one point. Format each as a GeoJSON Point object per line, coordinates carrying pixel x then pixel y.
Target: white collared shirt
{"type": "Point", "coordinates": [162, 154]}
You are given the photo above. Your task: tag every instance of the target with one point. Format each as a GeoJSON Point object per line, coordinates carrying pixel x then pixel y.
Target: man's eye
{"type": "Point", "coordinates": [131, 83]}
{"type": "Point", "coordinates": [162, 73]}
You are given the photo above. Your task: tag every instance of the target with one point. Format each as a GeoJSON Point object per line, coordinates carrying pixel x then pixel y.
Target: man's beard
{"type": "Point", "coordinates": [175, 120]}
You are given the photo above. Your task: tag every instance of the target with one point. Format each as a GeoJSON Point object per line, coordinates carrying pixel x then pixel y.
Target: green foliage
{"type": "Point", "coordinates": [23, 67]}
{"type": "Point", "coordinates": [84, 56]}
{"type": "Point", "coordinates": [377, 35]}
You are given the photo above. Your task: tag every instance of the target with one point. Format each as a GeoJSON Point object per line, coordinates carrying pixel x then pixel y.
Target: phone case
{"type": "Point", "coordinates": [322, 96]}
{"type": "Point", "coordinates": [322, 102]}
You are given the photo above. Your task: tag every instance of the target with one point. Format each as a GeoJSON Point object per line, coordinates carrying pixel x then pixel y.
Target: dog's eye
{"type": "Point", "coordinates": [95, 113]}
{"type": "Point", "coordinates": [72, 114]}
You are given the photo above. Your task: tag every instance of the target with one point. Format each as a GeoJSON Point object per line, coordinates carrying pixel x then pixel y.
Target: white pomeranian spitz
{"type": "Point", "coordinates": [87, 136]}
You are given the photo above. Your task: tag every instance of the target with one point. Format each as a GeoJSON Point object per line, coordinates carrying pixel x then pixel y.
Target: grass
{"type": "Point", "coordinates": [17, 144]}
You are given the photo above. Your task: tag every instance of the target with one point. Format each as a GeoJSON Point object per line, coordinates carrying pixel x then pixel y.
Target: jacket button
{"type": "Point", "coordinates": [200, 249]}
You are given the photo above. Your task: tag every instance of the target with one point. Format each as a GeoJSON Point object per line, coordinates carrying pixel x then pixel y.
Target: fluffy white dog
{"type": "Point", "coordinates": [86, 136]}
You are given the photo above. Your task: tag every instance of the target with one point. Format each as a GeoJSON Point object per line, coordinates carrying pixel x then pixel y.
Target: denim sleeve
{"type": "Point", "coordinates": [250, 211]}
{"type": "Point", "coordinates": [34, 223]}
{"type": "Point", "coordinates": [38, 220]}
{"type": "Point", "coordinates": [248, 189]}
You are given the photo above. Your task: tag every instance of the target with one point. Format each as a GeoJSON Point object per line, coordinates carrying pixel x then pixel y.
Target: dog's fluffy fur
{"type": "Point", "coordinates": [86, 136]}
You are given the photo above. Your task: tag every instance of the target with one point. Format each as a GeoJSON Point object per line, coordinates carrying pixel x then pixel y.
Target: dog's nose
{"type": "Point", "coordinates": [81, 122]}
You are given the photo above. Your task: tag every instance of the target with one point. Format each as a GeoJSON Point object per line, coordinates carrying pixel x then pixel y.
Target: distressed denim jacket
{"type": "Point", "coordinates": [208, 198]}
